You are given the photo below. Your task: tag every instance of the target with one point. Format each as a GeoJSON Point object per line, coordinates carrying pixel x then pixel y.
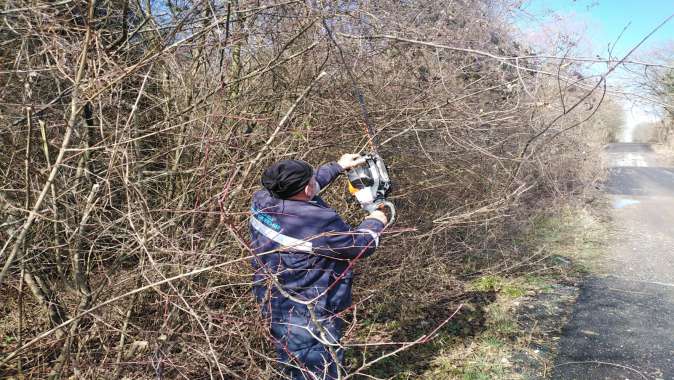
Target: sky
{"type": "Point", "coordinates": [606, 19]}
{"type": "Point", "coordinates": [598, 24]}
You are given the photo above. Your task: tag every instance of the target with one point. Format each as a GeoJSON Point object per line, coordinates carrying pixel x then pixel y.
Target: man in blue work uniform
{"type": "Point", "coordinates": [303, 257]}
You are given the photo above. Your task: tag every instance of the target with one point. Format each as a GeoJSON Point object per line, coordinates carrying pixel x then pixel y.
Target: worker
{"type": "Point", "coordinates": [303, 264]}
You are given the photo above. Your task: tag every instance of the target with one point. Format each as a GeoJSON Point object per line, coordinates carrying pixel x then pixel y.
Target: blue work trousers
{"type": "Point", "coordinates": [301, 354]}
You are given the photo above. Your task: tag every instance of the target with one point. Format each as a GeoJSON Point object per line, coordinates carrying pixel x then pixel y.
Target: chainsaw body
{"type": "Point", "coordinates": [370, 184]}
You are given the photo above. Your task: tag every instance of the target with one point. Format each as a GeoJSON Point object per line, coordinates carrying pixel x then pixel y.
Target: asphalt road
{"type": "Point", "coordinates": [622, 326]}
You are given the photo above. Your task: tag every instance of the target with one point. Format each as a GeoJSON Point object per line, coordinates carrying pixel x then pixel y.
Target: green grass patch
{"type": "Point", "coordinates": [511, 288]}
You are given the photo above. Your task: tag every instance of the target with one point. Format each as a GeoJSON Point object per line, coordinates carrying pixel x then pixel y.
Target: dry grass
{"type": "Point", "coordinates": [511, 319]}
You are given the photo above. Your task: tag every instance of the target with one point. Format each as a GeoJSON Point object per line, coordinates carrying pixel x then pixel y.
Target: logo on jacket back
{"type": "Point", "coordinates": [266, 219]}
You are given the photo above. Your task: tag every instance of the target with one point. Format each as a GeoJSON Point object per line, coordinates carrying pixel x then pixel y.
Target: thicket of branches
{"type": "Point", "coordinates": [134, 133]}
{"type": "Point", "coordinates": [658, 82]}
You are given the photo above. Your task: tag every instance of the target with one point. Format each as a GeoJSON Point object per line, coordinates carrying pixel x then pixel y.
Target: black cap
{"type": "Point", "coordinates": [287, 177]}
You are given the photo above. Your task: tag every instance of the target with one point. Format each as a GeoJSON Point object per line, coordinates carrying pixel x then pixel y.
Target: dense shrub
{"type": "Point", "coordinates": [136, 134]}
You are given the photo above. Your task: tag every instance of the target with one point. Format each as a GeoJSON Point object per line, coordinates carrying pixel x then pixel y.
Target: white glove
{"type": "Point", "coordinates": [350, 160]}
{"type": "Point", "coordinates": [379, 215]}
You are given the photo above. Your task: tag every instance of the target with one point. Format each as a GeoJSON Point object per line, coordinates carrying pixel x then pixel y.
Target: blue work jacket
{"type": "Point", "coordinates": [308, 248]}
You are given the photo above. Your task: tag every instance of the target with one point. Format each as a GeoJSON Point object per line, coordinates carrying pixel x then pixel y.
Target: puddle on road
{"type": "Point", "coordinates": [624, 202]}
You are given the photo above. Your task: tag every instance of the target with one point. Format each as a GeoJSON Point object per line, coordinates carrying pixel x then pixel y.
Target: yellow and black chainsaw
{"type": "Point", "coordinates": [370, 184]}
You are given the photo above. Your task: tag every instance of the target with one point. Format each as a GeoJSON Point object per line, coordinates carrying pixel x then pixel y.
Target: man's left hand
{"type": "Point", "coordinates": [350, 160]}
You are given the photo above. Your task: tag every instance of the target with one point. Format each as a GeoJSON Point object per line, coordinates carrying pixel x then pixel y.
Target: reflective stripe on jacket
{"type": "Point", "coordinates": [308, 247]}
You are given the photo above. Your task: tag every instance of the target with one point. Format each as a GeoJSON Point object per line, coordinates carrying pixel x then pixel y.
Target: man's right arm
{"type": "Point", "coordinates": [340, 241]}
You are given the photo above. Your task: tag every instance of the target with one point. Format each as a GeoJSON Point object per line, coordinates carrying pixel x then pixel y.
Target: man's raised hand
{"type": "Point", "coordinates": [379, 215]}
{"type": "Point", "coordinates": [350, 160]}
